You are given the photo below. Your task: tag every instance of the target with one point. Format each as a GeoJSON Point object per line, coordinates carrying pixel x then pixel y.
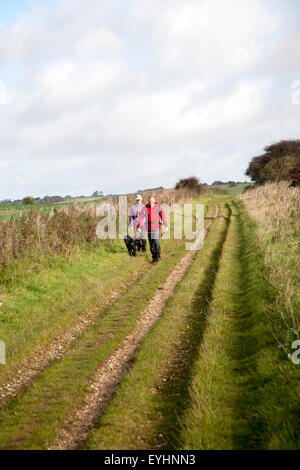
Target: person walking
{"type": "Point", "coordinates": [134, 216]}
{"type": "Point", "coordinates": [152, 216]}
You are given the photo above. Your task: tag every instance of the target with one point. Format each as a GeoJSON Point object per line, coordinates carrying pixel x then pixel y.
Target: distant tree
{"type": "Point", "coordinates": [160, 188]}
{"type": "Point", "coordinates": [278, 163]}
{"type": "Point", "coordinates": [217, 183]}
{"type": "Point", "coordinates": [28, 201]}
{"type": "Point", "coordinates": [51, 199]}
{"type": "Point", "coordinates": [97, 194]}
{"type": "Point", "coordinates": [191, 183]}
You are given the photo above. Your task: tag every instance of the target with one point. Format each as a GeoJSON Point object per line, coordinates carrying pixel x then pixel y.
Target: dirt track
{"type": "Point", "coordinates": [76, 428]}
{"type": "Point", "coordinates": [32, 366]}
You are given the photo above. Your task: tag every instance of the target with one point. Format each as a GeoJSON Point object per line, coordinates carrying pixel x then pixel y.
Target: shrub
{"type": "Point", "coordinates": [192, 183]}
{"type": "Point", "coordinates": [248, 188]}
{"type": "Point", "coordinates": [28, 201]}
{"type": "Point", "coordinates": [278, 163]}
{"type": "Point", "coordinates": [279, 169]}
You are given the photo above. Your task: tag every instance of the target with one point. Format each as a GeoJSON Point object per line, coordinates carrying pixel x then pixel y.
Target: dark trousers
{"type": "Point", "coordinates": [154, 242]}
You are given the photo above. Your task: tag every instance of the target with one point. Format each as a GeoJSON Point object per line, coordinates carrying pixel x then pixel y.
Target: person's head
{"type": "Point", "coordinates": [138, 199]}
{"type": "Point", "coordinates": [151, 200]}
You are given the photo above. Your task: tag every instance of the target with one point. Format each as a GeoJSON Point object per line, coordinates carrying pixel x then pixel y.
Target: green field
{"type": "Point", "coordinates": [234, 190]}
{"type": "Point", "coordinates": [212, 370]}
{"type": "Point", "coordinates": [14, 209]}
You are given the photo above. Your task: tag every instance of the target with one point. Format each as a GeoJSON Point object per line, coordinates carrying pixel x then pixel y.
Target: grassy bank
{"type": "Point", "coordinates": [275, 209]}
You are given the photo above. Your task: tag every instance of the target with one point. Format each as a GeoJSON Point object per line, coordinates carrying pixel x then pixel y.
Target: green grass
{"type": "Point", "coordinates": [46, 206]}
{"type": "Point", "coordinates": [234, 190]}
{"type": "Point", "coordinates": [16, 208]}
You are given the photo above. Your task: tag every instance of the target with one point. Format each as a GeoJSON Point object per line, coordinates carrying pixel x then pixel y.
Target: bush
{"type": "Point", "coordinates": [192, 183]}
{"type": "Point", "coordinates": [29, 201]}
{"type": "Point", "coordinates": [248, 188]}
{"type": "Point", "coordinates": [279, 169]}
{"type": "Point", "coordinates": [279, 163]}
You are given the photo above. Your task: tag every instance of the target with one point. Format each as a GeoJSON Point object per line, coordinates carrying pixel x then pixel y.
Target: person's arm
{"type": "Point", "coordinates": [163, 217]}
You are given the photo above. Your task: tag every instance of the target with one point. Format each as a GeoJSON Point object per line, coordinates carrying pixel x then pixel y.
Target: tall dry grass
{"type": "Point", "coordinates": [64, 228]}
{"type": "Point", "coordinates": [276, 210]}
{"type": "Point", "coordinates": [167, 196]}
{"type": "Point", "coordinates": [40, 233]}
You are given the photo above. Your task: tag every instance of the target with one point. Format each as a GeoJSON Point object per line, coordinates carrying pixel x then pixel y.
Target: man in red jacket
{"type": "Point", "coordinates": [152, 215]}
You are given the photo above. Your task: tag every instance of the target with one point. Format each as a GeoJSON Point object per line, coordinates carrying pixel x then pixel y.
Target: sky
{"type": "Point", "coordinates": [122, 95]}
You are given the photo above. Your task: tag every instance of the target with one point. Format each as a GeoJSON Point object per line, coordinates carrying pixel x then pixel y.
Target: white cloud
{"type": "Point", "coordinates": [209, 38]}
{"type": "Point", "coordinates": [5, 96]}
{"type": "Point", "coordinates": [99, 40]}
{"type": "Point", "coordinates": [74, 85]}
{"type": "Point", "coordinates": [286, 55]}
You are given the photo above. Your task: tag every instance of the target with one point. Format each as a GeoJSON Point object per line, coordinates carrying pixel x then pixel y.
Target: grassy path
{"type": "Point", "coordinates": [224, 389]}
{"type": "Point", "coordinates": [141, 414]}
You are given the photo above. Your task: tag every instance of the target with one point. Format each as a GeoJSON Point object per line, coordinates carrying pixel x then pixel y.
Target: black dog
{"type": "Point", "coordinates": [130, 245]}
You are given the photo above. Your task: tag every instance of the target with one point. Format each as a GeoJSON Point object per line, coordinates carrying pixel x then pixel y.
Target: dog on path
{"type": "Point", "coordinates": [130, 245]}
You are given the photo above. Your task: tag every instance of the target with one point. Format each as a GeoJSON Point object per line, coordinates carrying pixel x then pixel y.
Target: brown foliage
{"type": "Point", "coordinates": [192, 183]}
{"type": "Point", "coordinates": [278, 163]}
{"type": "Point", "coordinates": [295, 174]}
{"type": "Point", "coordinates": [42, 233]}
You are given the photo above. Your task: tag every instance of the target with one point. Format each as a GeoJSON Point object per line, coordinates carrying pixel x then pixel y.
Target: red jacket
{"type": "Point", "coordinates": [152, 217]}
